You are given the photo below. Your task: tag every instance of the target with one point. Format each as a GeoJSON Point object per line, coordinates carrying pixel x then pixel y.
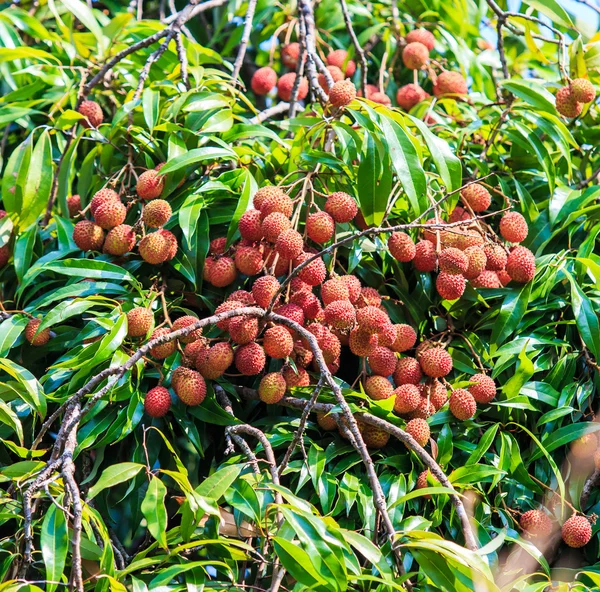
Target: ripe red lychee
{"type": "Point", "coordinates": [436, 392]}
{"type": "Point", "coordinates": [264, 289]}
{"type": "Point", "coordinates": [150, 184]}
{"type": "Point", "coordinates": [326, 422]}
{"type": "Point", "coordinates": [110, 214]}
{"type": "Point", "coordinates": [513, 227]}
{"type": "Point", "coordinates": [273, 225]}
{"type": "Point", "coordinates": [295, 378]}
{"type": "Point", "coordinates": [272, 388]}
{"type": "Point", "coordinates": [187, 321]}
{"type": "Point", "coordinates": [218, 358]}
{"type": "Point", "coordinates": [163, 350]}
{"type": "Point", "coordinates": [486, 279]}
{"type": "Point", "coordinates": [419, 429]}
{"type": "Point", "coordinates": [285, 87]}
{"type": "Point", "coordinates": [477, 197]}
{"type": "Point", "coordinates": [423, 347]}
{"type": "Point", "coordinates": [362, 343]}
{"type": "Point", "coordinates": [303, 356]}
{"type": "Point", "coordinates": [477, 262]}
{"type": "Point", "coordinates": [190, 387]}
{"type": "Point", "coordinates": [406, 338]}
{"type": "Point", "coordinates": [584, 447]}
{"type": "Point", "coordinates": [353, 285]}
{"type": "Point", "coordinates": [342, 93]}
{"type": "Point", "coordinates": [422, 482]}
{"type": "Point", "coordinates": [382, 361]}
{"type": "Point", "coordinates": [88, 236]}
{"type": "Point", "coordinates": [278, 342]}
{"type": "Point", "coordinates": [225, 307]}
{"type": "Point", "coordinates": [250, 359]}
{"type": "Point", "coordinates": [338, 58]}
{"type": "Point", "coordinates": [577, 531]}
{"type": "Point", "coordinates": [520, 265]}
{"type": "Point", "coordinates": [453, 261]}
{"type": "Point", "coordinates": [341, 207]}
{"type": "Point", "coordinates": [422, 36]}
{"type": "Point", "coordinates": [330, 347]}
{"type": "Point", "coordinates": [371, 319]}
{"type": "Point", "coordinates": [583, 90]}
{"type": "Point", "coordinates": [320, 227]}
{"type": "Point", "coordinates": [375, 437]}
{"type": "Point", "coordinates": [290, 54]}
{"type": "Point", "coordinates": [334, 289]}
{"type": "Point", "coordinates": [243, 329]}
{"type": "Point", "coordinates": [340, 314]}
{"type": "Point", "coordinates": [408, 398]}
{"type": "Point", "coordinates": [250, 226]}
{"type": "Point", "coordinates": [450, 287]}
{"type": "Point", "coordinates": [291, 311]}
{"type": "Point", "coordinates": [242, 296]}
{"type": "Point", "coordinates": [410, 95]}
{"type": "Point", "coordinates": [424, 410]}
{"type": "Point", "coordinates": [401, 246]}
{"type": "Point", "coordinates": [74, 204]}
{"type": "Point", "coordinates": [368, 297]}
{"type": "Point", "coordinates": [140, 321]}
{"type": "Point", "coordinates": [153, 248]}
{"type": "Point", "coordinates": [503, 277]}
{"type": "Point", "coordinates": [436, 362]}
{"type": "Point", "coordinates": [566, 103]}
{"type": "Point", "coordinates": [450, 83]}
{"type": "Point", "coordinates": [415, 55]}
{"type": "Point", "coordinates": [33, 336]}
{"type": "Point", "coordinates": [425, 256]}
{"type": "Point", "coordinates": [119, 240]}
{"type": "Point", "coordinates": [191, 351]}
{"type": "Point", "coordinates": [4, 255]}
{"type": "Point", "coordinates": [536, 523]}
{"type": "Point", "coordinates": [458, 214]}
{"type": "Point", "coordinates": [335, 73]}
{"type": "Point", "coordinates": [462, 404]}
{"type": "Point", "coordinates": [157, 213]}
{"type": "Point", "coordinates": [217, 246]}
{"type": "Point", "coordinates": [290, 244]}
{"type": "Point", "coordinates": [483, 388]}
{"type": "Point", "coordinates": [313, 273]}
{"type": "Point", "coordinates": [248, 260]}
{"type": "Point", "coordinates": [92, 113]}
{"type": "Point", "coordinates": [265, 192]}
{"type": "Point", "coordinates": [408, 371]}
{"type": "Point", "coordinates": [495, 257]}
{"type": "Point", "coordinates": [157, 402]}
{"type": "Point", "coordinates": [277, 202]}
{"type": "Point", "coordinates": [381, 98]}
{"type": "Point", "coordinates": [263, 81]}
{"type": "Point", "coordinates": [222, 272]}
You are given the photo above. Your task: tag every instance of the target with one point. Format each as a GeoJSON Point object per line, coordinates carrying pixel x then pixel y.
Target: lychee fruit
{"type": "Point", "coordinates": [248, 260]}
{"type": "Point", "coordinates": [577, 531]}
{"type": "Point", "coordinates": [486, 279]}
{"type": "Point", "coordinates": [314, 273]}
{"type": "Point", "coordinates": [278, 342]}
{"type": "Point", "coordinates": [477, 262]}
{"type": "Point", "coordinates": [265, 192]}
{"type": "Point", "coordinates": [422, 481]}
{"type": "Point", "coordinates": [495, 257]}
{"type": "Point", "coordinates": [217, 246]}
{"type": "Point", "coordinates": [342, 93]}
{"type": "Point", "coordinates": [483, 388]}
{"type": "Point", "coordinates": [157, 213]}
{"type": "Point", "coordinates": [264, 290]}
{"type": "Point", "coordinates": [276, 202]}
{"type": "Point", "coordinates": [380, 98]}
{"type": "Point", "coordinates": [74, 205]}
{"type": "Point", "coordinates": [436, 362]}
{"type": "Point", "coordinates": [459, 214]}
{"type": "Point", "coordinates": [273, 225]}
{"type": "Point", "coordinates": [424, 410]}
{"type": "Point", "coordinates": [583, 90]}
{"type": "Point", "coordinates": [371, 319]}
{"type": "Point", "coordinates": [263, 81]}
{"type": "Point", "coordinates": [291, 311]}
{"type": "Point", "coordinates": [119, 240]}
{"type": "Point", "coordinates": [436, 392]}
{"type": "Point", "coordinates": [425, 258]}
{"type": "Point", "coordinates": [566, 103]}
{"type": "Point", "coordinates": [334, 289]}
{"type": "Point", "coordinates": [290, 244]}
{"type": "Point", "coordinates": [378, 387]}
{"type": "Point", "coordinates": [450, 287]}
{"type": "Point", "coordinates": [33, 336]}
{"type": "Point", "coordinates": [330, 348]}
{"type": "Point", "coordinates": [375, 437]}
{"type": "Point", "coordinates": [368, 297]}
{"type": "Point", "coordinates": [250, 359]}
{"type": "Point", "coordinates": [243, 329]}
{"type": "Point", "coordinates": [513, 227]}
{"type": "Point", "coordinates": [250, 226]}
{"type": "Point", "coordinates": [191, 351]}
{"type": "Point", "coordinates": [170, 241]}
{"type": "Point", "coordinates": [408, 398]}
{"type": "Point", "coordinates": [187, 321]}
{"type": "Point", "coordinates": [153, 248]}
{"type": "Point", "coordinates": [190, 387]}
{"type": "Point", "coordinates": [410, 95]}
{"type": "Point", "coordinates": [406, 338]}
{"type": "Point", "coordinates": [401, 246]}
{"type": "Point", "coordinates": [520, 265]}
{"type": "Point", "coordinates": [157, 402]}
{"type": "Point", "coordinates": [353, 285]}
{"type": "Point", "coordinates": [462, 404]}
{"type": "Point", "coordinates": [338, 58]}
{"type": "Point", "coordinates": [140, 321]}
{"type": "Point", "coordinates": [272, 388]}
{"type": "Point", "coordinates": [453, 261]}
{"type": "Point", "coordinates": [450, 83]}
{"type": "Point", "coordinates": [584, 447]}
{"type": "Point", "coordinates": [226, 307]}
{"type": "Point", "coordinates": [242, 296]}
{"type": "Point", "coordinates": [419, 429]}
{"type": "Point", "coordinates": [340, 314]}
{"type": "Point", "coordinates": [408, 371]}
{"type": "Point", "coordinates": [415, 55]}
{"type": "Point", "coordinates": [341, 207]}
{"type": "Point", "coordinates": [421, 36]}
{"type": "Point", "coordinates": [290, 54]}
{"type": "Point", "coordinates": [320, 227]}
{"type": "Point", "coordinates": [295, 378]}
{"type": "Point", "coordinates": [222, 272]}
{"type": "Point", "coordinates": [503, 277]}
{"type": "Point", "coordinates": [163, 350]}
{"type": "Point", "coordinates": [216, 360]}
{"type": "Point", "coordinates": [150, 184]}
{"type": "Point", "coordinates": [362, 343]}
{"type": "Point", "coordinates": [285, 86]}
{"type": "Point", "coordinates": [326, 422]}
{"type": "Point", "coordinates": [536, 523]}
{"type": "Point", "coordinates": [92, 113]}
{"type": "Point", "coordinates": [88, 236]}
{"type": "Point", "coordinates": [382, 361]}
{"type": "Point", "coordinates": [110, 214]}
{"type": "Point", "coordinates": [477, 197]}
{"type": "Point", "coordinates": [335, 73]}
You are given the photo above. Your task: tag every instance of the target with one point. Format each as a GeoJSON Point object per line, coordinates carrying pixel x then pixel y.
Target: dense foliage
{"type": "Point", "coordinates": [159, 160]}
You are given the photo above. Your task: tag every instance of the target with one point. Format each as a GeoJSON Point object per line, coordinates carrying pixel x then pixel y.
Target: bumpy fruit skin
{"type": "Point", "coordinates": [333, 290]}
{"type": "Point", "coordinates": [536, 523]}
{"type": "Point", "coordinates": [326, 422]}
{"type": "Point", "coordinates": [513, 227]}
{"type": "Point", "coordinates": [217, 245]}
{"type": "Point", "coordinates": [410, 95]}
{"type": "Point", "coordinates": [338, 58]}
{"type": "Point", "coordinates": [248, 260]}
{"type": "Point", "coordinates": [375, 437]}
{"type": "Point", "coordinates": [477, 262]}
{"type": "Point", "coordinates": [4, 255]}
{"type": "Point", "coordinates": [272, 388]}
{"type": "Point", "coordinates": [295, 379]}
{"type": "Point", "coordinates": [157, 402]}
{"type": "Point", "coordinates": [422, 482]}
{"type": "Point", "coordinates": [495, 257]}
{"type": "Point", "coordinates": [520, 265]}
{"type": "Point", "coordinates": [378, 387]}
{"type": "Point", "coordinates": [150, 184]}
{"type": "Point", "coordinates": [415, 55]}
{"type": "Point", "coordinates": [503, 277]}
{"type": "Point", "coordinates": [342, 93]}
{"type": "Point", "coordinates": [218, 358]}
{"type": "Point", "coordinates": [274, 225]}
{"type": "Point", "coordinates": [566, 103]}
{"type": "Point", "coordinates": [170, 241]}
{"type": "Point", "coordinates": [110, 214]}
{"type": "Point", "coordinates": [74, 204]}
{"type": "Point", "coordinates": [92, 112]}
{"type": "Point", "coordinates": [293, 312]}
{"type": "Point", "coordinates": [243, 329]}
{"type": "Point", "coordinates": [265, 192]}
{"type": "Point", "coordinates": [583, 90]}
{"type": "Point", "coordinates": [160, 352]}
{"type": "Point", "coordinates": [285, 86]}
{"type": "Point", "coordinates": [486, 279]}
{"type": "Point", "coordinates": [320, 227]}
{"type": "Point", "coordinates": [250, 359]}
{"type": "Point", "coordinates": [362, 343]}
{"type": "Point", "coordinates": [309, 303]}
{"type": "Point", "coordinates": [436, 392]}
{"type": "Point", "coordinates": [584, 447]}
{"type": "Point", "coordinates": [425, 256]}
{"type": "Point", "coordinates": [477, 197]}
{"type": "Point", "coordinates": [290, 244]}
{"type": "Point", "coordinates": [278, 202]}
{"type": "Point", "coordinates": [577, 531]}
{"type": "Point", "coordinates": [424, 410]}
{"type": "Point", "coordinates": [340, 314]}
{"type": "Point", "coordinates": [402, 247]}
{"type": "Point", "coordinates": [187, 321]}
{"type": "Point", "coordinates": [462, 404]}
{"type": "Point", "coordinates": [382, 361]}
{"type": "Point", "coordinates": [381, 98]}
{"type": "Point", "coordinates": [139, 321]}
{"type": "Point", "coordinates": [436, 362]}
{"type": "Point", "coordinates": [190, 388]}
{"type": "Point", "coordinates": [249, 225]}
{"type": "Point", "coordinates": [483, 388]}
{"type": "Point", "coordinates": [368, 297]}
{"type": "Point", "coordinates": [406, 338]}
{"type": "Point", "coordinates": [408, 398]}
{"type": "Point", "coordinates": [264, 289]}
{"type": "Point", "coordinates": [263, 81]}
{"type": "Point", "coordinates": [153, 248]}
{"type": "Point", "coordinates": [422, 36]}
{"type": "Point", "coordinates": [450, 83]}
{"type": "Point", "coordinates": [453, 261]}
{"type": "Point", "coordinates": [157, 213]}
{"type": "Point", "coordinates": [119, 240]}
{"type": "Point", "coordinates": [458, 214]}
{"type": "Point", "coordinates": [408, 371]}
{"type": "Point", "coordinates": [88, 236]}
{"type": "Point", "coordinates": [419, 429]}
{"type": "Point", "coordinates": [341, 207]}
{"type": "Point", "coordinates": [314, 273]}
{"type": "Point", "coordinates": [372, 319]}
{"type": "Point", "coordinates": [449, 286]}
{"type": "Point", "coordinates": [290, 54]}
{"type": "Point", "coordinates": [353, 285]}
{"type": "Point", "coordinates": [41, 338]}
{"type": "Point", "coordinates": [190, 353]}
{"type": "Point", "coordinates": [222, 272]}
{"type": "Point", "coordinates": [242, 296]}
{"type": "Point", "coordinates": [335, 73]}
{"type": "Point", "coordinates": [330, 348]}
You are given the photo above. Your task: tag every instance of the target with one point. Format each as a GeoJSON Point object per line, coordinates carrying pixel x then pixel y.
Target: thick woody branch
{"type": "Point", "coordinates": [592, 482]}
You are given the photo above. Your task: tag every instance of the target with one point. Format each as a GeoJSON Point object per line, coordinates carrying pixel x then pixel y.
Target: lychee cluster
{"type": "Point", "coordinates": [570, 99]}
{"type": "Point", "coordinates": [537, 525]}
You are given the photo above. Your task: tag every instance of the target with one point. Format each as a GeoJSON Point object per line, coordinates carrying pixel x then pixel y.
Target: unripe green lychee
{"type": "Point", "coordinates": [140, 321]}
{"type": "Point", "coordinates": [157, 213]}
{"type": "Point", "coordinates": [33, 336]}
{"type": "Point", "coordinates": [272, 388]}
{"type": "Point", "coordinates": [157, 402]}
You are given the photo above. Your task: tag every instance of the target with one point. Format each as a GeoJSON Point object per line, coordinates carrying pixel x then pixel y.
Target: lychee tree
{"type": "Point", "coordinates": [299, 296]}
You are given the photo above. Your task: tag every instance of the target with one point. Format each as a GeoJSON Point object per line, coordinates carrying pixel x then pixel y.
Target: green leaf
{"type": "Point", "coordinates": [90, 268]}
{"type": "Point", "coordinates": [153, 509]}
{"type": "Point", "coordinates": [373, 201]}
{"type": "Point", "coordinates": [55, 544]}
{"type": "Point", "coordinates": [297, 562]}
{"type": "Point", "coordinates": [197, 155]}
{"type": "Point", "coordinates": [249, 188]}
{"type": "Point", "coordinates": [114, 475]}
{"type": "Point", "coordinates": [9, 417]}
{"type": "Point", "coordinates": [553, 10]}
{"type": "Point", "coordinates": [150, 105]}
{"type": "Point", "coordinates": [585, 317]}
{"type": "Point", "coordinates": [511, 313]}
{"type": "Point", "coordinates": [484, 443]}
{"type": "Point", "coordinates": [31, 390]}
{"type": "Point", "coordinates": [10, 330]}
{"type": "Point", "coordinates": [86, 16]}
{"type": "Point", "coordinates": [532, 92]}
{"type": "Point", "coordinates": [215, 486]}
{"type": "Point", "coordinates": [525, 369]}
{"type": "Point", "coordinates": [38, 182]}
